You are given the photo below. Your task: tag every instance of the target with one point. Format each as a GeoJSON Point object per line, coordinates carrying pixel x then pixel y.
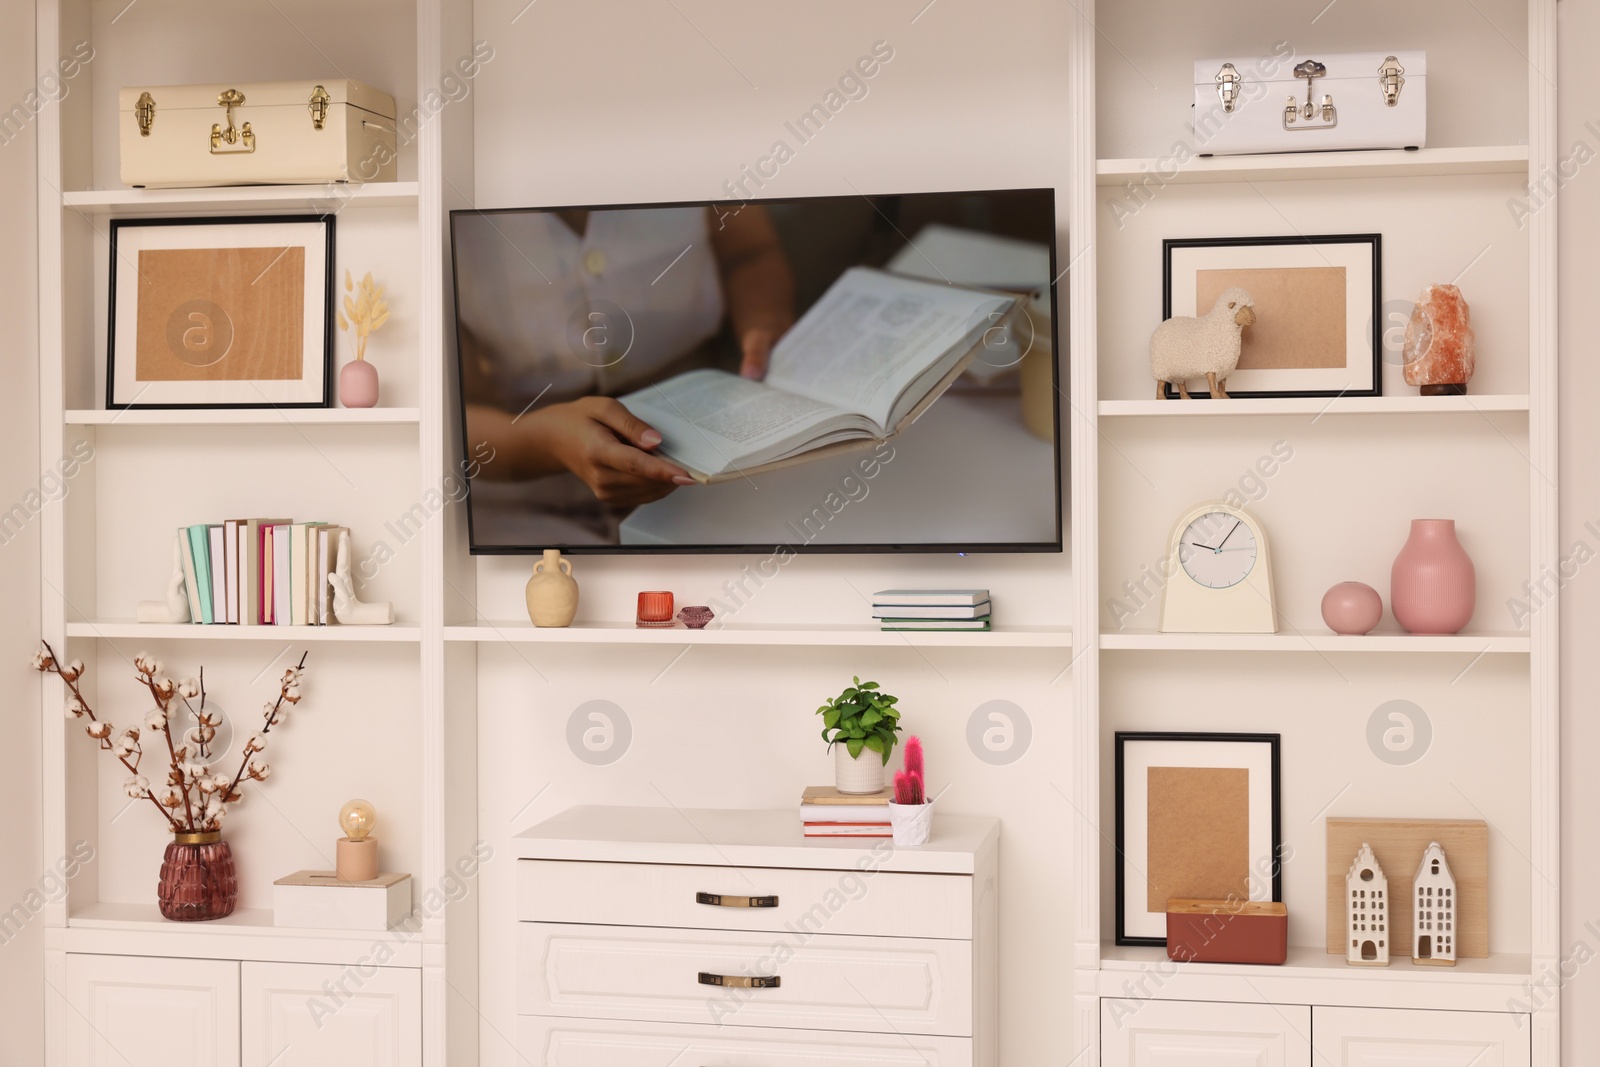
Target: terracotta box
{"type": "Point", "coordinates": [1227, 931]}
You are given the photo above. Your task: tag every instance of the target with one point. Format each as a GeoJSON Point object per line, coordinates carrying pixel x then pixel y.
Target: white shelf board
{"type": "Point", "coordinates": [1319, 641]}
{"type": "Point", "coordinates": [1302, 166]}
{"type": "Point", "coordinates": [308, 198]}
{"type": "Point", "coordinates": [244, 417]}
{"type": "Point", "coordinates": [816, 634]}
{"type": "Point", "coordinates": [1314, 976]}
{"type": "Point", "coordinates": [247, 934]}
{"type": "Point", "coordinates": [183, 631]}
{"type": "Point", "coordinates": [1312, 405]}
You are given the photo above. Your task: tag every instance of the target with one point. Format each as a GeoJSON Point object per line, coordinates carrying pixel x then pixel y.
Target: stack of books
{"type": "Point", "coordinates": [932, 609]}
{"type": "Point", "coordinates": [826, 812]}
{"type": "Point", "coordinates": [260, 572]}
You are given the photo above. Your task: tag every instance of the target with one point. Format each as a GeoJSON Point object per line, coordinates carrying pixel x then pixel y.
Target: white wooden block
{"type": "Point", "coordinates": [319, 900]}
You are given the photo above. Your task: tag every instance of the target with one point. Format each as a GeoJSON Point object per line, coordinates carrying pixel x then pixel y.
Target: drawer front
{"type": "Point", "coordinates": [1394, 1037]}
{"type": "Point", "coordinates": [805, 902]}
{"type": "Point", "coordinates": [553, 1042]}
{"type": "Point", "coordinates": [827, 982]}
{"type": "Point", "coordinates": [1176, 1033]}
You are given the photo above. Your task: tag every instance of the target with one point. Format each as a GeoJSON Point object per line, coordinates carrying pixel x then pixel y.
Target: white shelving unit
{"type": "Point", "coordinates": [375, 695]}
{"type": "Point", "coordinates": [1138, 461]}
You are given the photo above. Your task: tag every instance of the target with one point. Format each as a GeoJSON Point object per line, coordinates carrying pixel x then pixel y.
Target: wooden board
{"type": "Point", "coordinates": [1398, 845]}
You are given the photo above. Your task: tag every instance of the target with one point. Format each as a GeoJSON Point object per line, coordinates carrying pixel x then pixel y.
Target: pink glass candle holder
{"type": "Point", "coordinates": [695, 616]}
{"type": "Point", "coordinates": [655, 609]}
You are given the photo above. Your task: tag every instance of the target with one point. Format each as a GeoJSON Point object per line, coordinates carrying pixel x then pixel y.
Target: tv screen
{"type": "Point", "coordinates": [842, 374]}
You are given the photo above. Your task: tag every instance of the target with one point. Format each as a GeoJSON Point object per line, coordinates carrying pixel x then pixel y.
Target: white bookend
{"type": "Point", "coordinates": [319, 900]}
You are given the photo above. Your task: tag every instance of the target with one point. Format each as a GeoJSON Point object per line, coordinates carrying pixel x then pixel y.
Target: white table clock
{"type": "Point", "coordinates": [1221, 574]}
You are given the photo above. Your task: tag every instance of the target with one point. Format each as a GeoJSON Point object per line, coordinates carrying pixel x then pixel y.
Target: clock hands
{"type": "Point", "coordinates": [1224, 541]}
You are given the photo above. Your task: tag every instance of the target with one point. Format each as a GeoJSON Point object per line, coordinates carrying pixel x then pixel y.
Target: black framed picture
{"type": "Point", "coordinates": [221, 312]}
{"type": "Point", "coordinates": [1197, 817]}
{"type": "Point", "coordinates": [1317, 331]}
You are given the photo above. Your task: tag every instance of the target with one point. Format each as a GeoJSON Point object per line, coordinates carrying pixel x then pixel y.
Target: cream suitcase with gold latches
{"type": "Point", "coordinates": [1288, 102]}
{"type": "Point", "coordinates": [259, 133]}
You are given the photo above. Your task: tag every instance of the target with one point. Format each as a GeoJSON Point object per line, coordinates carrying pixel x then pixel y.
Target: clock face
{"type": "Point", "coordinates": [1218, 550]}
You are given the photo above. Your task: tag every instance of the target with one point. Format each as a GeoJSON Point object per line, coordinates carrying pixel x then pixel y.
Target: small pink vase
{"type": "Point", "coordinates": [1352, 608]}
{"type": "Point", "coordinates": [358, 384]}
{"type": "Point", "coordinates": [1433, 587]}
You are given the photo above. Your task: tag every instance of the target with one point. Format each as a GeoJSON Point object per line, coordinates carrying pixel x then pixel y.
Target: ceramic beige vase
{"type": "Point", "coordinates": [552, 592]}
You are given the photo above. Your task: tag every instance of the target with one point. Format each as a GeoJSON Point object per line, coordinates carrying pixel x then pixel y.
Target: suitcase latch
{"type": "Point", "coordinates": [319, 107]}
{"type": "Point", "coordinates": [228, 100]}
{"type": "Point", "coordinates": [1228, 81]}
{"type": "Point", "coordinates": [145, 113]}
{"type": "Point", "coordinates": [1294, 113]}
{"type": "Point", "coordinates": [1389, 76]}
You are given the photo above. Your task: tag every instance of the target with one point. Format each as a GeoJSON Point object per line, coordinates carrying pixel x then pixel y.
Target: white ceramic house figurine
{"type": "Point", "coordinates": [1367, 911]}
{"type": "Point", "coordinates": [1185, 348]}
{"type": "Point", "coordinates": [175, 608]}
{"type": "Point", "coordinates": [1433, 923]}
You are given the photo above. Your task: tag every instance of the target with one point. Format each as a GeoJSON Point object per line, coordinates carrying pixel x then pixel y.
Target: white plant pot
{"type": "Point", "coordinates": [863, 774]}
{"type": "Point", "coordinates": [912, 823]}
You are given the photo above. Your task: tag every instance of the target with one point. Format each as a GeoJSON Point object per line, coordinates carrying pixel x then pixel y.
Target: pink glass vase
{"type": "Point", "coordinates": [197, 878]}
{"type": "Point", "coordinates": [1433, 587]}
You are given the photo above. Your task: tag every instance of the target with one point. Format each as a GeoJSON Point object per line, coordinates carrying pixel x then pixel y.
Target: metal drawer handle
{"type": "Point", "coordinates": [717, 900]}
{"type": "Point", "coordinates": [741, 981]}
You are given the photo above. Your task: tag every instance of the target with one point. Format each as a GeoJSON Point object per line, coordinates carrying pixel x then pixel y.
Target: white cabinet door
{"type": "Point", "coordinates": [145, 1011]}
{"type": "Point", "coordinates": [1176, 1033]}
{"type": "Point", "coordinates": [316, 1015]}
{"type": "Point", "coordinates": [1388, 1037]}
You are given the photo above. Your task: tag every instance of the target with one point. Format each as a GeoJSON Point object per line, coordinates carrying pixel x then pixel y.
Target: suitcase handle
{"type": "Point", "coordinates": [229, 99]}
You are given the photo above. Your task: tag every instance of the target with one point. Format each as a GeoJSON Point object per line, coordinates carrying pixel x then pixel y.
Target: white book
{"type": "Point", "coordinates": [873, 813]}
{"type": "Point", "coordinates": [920, 611]}
{"type": "Point", "coordinates": [875, 830]}
{"type": "Point", "coordinates": [217, 559]}
{"type": "Point", "coordinates": [873, 353]}
{"type": "Point", "coordinates": [928, 597]}
{"type": "Point", "coordinates": [230, 548]}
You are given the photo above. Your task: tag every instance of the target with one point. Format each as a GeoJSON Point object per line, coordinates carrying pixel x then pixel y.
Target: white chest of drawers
{"type": "Point", "coordinates": [657, 936]}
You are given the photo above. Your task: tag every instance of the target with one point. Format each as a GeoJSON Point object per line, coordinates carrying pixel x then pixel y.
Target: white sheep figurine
{"type": "Point", "coordinates": [1185, 348]}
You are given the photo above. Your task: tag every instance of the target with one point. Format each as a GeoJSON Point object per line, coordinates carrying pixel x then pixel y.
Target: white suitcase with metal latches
{"type": "Point", "coordinates": [1311, 103]}
{"type": "Point", "coordinates": [266, 133]}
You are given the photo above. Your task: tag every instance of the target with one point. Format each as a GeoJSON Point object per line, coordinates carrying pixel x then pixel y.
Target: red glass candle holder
{"type": "Point", "coordinates": [655, 609]}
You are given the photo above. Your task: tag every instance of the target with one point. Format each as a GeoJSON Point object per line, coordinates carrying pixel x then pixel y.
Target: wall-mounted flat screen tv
{"type": "Point", "coordinates": [839, 374]}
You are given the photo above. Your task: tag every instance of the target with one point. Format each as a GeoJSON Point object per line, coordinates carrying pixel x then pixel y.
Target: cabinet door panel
{"type": "Point", "coordinates": [1146, 1033]}
{"type": "Point", "coordinates": [146, 1011]}
{"type": "Point", "coordinates": [316, 1015]}
{"type": "Point", "coordinates": [1390, 1037]}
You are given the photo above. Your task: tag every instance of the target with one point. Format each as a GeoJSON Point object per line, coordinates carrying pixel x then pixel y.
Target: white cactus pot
{"type": "Point", "coordinates": [863, 774]}
{"type": "Point", "coordinates": [911, 823]}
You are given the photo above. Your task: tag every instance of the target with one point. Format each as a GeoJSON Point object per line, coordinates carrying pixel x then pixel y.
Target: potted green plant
{"type": "Point", "coordinates": [861, 720]}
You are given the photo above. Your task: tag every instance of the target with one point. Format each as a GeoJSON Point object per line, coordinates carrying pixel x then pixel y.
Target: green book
{"type": "Point", "coordinates": [935, 625]}
{"type": "Point", "coordinates": [200, 545]}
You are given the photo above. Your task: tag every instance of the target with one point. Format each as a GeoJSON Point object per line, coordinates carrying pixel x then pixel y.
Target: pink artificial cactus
{"type": "Point", "coordinates": [909, 784]}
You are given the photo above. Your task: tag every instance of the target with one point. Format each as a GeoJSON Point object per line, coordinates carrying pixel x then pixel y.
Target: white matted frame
{"type": "Point", "coordinates": [1359, 255]}
{"type": "Point", "coordinates": [309, 378]}
{"type": "Point", "coordinates": [1136, 754]}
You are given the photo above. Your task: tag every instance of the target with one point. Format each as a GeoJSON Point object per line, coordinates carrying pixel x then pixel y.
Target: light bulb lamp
{"type": "Point", "coordinates": [357, 851]}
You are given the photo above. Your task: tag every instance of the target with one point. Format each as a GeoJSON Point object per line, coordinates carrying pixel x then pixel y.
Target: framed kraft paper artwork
{"type": "Point", "coordinates": [1317, 330]}
{"type": "Point", "coordinates": [1197, 818]}
{"type": "Point", "coordinates": [220, 312]}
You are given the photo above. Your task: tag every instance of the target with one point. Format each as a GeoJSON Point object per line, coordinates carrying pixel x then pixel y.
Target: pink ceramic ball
{"type": "Point", "coordinates": [1351, 608]}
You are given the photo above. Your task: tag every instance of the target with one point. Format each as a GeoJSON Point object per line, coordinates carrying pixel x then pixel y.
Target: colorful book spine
{"type": "Point", "coordinates": [200, 549]}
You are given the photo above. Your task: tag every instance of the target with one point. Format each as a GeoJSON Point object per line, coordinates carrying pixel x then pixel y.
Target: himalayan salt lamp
{"type": "Point", "coordinates": [1440, 351]}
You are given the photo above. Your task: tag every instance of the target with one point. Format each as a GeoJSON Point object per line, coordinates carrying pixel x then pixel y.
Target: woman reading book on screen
{"type": "Point", "coordinates": [562, 312]}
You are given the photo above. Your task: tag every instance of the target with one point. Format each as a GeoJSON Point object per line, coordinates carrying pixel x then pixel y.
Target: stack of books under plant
{"type": "Point", "coordinates": [826, 812]}
{"type": "Point", "coordinates": [899, 610]}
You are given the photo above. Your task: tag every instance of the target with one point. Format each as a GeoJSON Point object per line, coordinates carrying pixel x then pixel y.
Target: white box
{"type": "Point", "coordinates": [1357, 100]}
{"type": "Point", "coordinates": [318, 900]}
{"type": "Point", "coordinates": [258, 133]}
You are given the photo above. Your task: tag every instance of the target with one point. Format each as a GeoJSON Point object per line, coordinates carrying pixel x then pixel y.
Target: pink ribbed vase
{"type": "Point", "coordinates": [1433, 587]}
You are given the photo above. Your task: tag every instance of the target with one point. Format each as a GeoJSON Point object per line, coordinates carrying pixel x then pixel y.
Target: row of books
{"type": "Point", "coordinates": [260, 572]}
{"type": "Point", "coordinates": [826, 812]}
{"type": "Point", "coordinates": [932, 609]}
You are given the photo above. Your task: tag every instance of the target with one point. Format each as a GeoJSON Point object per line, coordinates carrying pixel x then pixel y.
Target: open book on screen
{"type": "Point", "coordinates": [867, 358]}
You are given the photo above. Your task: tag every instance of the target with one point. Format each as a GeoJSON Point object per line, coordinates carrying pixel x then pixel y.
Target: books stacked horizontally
{"type": "Point", "coordinates": [260, 572]}
{"type": "Point", "coordinates": [826, 812]}
{"type": "Point", "coordinates": [931, 609]}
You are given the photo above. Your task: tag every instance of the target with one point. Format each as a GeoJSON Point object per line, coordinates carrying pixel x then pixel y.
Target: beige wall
{"type": "Point", "coordinates": [1579, 205]}
{"type": "Point", "coordinates": [21, 866]}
